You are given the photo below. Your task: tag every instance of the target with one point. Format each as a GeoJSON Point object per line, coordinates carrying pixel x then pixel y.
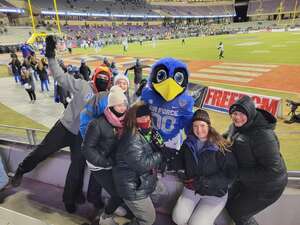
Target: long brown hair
{"type": "Point", "coordinates": [216, 138]}
{"type": "Point", "coordinates": [213, 136]}
{"type": "Point", "coordinates": [130, 118]}
{"type": "Point", "coordinates": [25, 73]}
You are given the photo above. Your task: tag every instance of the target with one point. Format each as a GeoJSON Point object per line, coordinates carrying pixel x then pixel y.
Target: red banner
{"type": "Point", "coordinates": [219, 99]}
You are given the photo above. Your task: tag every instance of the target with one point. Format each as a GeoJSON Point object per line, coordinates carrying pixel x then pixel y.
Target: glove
{"type": "Point", "coordinates": [141, 87]}
{"type": "Point", "coordinates": [173, 159]}
{"type": "Point", "coordinates": [50, 46]}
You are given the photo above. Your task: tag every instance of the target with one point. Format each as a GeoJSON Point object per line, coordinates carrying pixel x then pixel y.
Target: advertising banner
{"type": "Point", "coordinates": [219, 99]}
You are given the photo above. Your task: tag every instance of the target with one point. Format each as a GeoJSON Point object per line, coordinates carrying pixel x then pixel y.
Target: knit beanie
{"type": "Point", "coordinates": [121, 77]}
{"type": "Point", "coordinates": [143, 111]}
{"type": "Point", "coordinates": [238, 108]}
{"type": "Point", "coordinates": [201, 115]}
{"type": "Point", "coordinates": [116, 96]}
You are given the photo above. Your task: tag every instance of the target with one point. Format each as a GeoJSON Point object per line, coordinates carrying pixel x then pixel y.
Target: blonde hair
{"type": "Point", "coordinates": [216, 138]}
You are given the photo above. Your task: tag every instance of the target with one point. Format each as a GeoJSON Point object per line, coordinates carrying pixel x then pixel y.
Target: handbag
{"type": "Point", "coordinates": [27, 86]}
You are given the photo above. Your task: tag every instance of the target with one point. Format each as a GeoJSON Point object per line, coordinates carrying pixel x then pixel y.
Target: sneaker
{"type": "Point", "coordinates": [16, 180]}
{"type": "Point", "coordinates": [120, 211]}
{"type": "Point", "coordinates": [106, 219]}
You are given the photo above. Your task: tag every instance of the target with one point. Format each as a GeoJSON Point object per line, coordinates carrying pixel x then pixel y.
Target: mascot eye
{"type": "Point", "coordinates": [161, 75]}
{"type": "Point", "coordinates": [179, 78]}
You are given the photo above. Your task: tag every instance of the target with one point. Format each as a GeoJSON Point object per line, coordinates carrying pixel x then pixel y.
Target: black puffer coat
{"type": "Point", "coordinates": [100, 143]}
{"type": "Point", "coordinates": [256, 147]}
{"type": "Point", "coordinates": [210, 170]}
{"type": "Point", "coordinates": [134, 173]}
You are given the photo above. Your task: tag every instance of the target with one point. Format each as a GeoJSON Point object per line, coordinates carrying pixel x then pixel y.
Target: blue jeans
{"type": "Point", "coordinates": [36, 77]}
{"type": "Point", "coordinates": [44, 83]}
{"type": "Point", "coordinates": [17, 77]}
{"type": "Point", "coordinates": [3, 175]}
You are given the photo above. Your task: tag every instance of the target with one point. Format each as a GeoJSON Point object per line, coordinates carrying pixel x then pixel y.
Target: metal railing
{"type": "Point", "coordinates": [31, 133]}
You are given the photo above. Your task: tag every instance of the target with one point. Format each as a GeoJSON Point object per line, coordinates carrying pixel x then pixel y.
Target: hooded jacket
{"type": "Point", "coordinates": [256, 147]}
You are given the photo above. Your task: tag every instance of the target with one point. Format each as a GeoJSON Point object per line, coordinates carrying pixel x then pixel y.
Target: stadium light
{"type": "Point", "coordinates": [69, 13]}
{"type": "Point", "coordinates": [12, 10]}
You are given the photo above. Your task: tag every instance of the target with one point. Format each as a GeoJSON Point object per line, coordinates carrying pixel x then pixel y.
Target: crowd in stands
{"type": "Point", "coordinates": [137, 8]}
{"type": "Point", "coordinates": [271, 6]}
{"type": "Point", "coordinates": [105, 35]}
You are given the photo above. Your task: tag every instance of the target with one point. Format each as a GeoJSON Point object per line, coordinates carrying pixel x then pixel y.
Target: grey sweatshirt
{"type": "Point", "coordinates": [82, 92]}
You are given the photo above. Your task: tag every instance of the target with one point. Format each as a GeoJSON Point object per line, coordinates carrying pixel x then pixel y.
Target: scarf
{"type": "Point", "coordinates": [197, 147]}
{"type": "Point", "coordinates": [115, 121]}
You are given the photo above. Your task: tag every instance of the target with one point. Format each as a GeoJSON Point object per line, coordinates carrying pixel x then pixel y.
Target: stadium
{"type": "Point", "coordinates": [230, 47]}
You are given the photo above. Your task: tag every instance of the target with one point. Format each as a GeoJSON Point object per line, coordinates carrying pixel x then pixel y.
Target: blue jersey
{"type": "Point", "coordinates": [170, 118]}
{"type": "Point", "coordinates": [27, 50]}
{"type": "Point", "coordinates": [92, 110]}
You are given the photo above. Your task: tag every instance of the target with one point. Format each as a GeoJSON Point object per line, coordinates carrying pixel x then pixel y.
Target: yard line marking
{"type": "Point", "coordinates": [231, 72]}
{"type": "Point", "coordinates": [241, 68]}
{"type": "Point", "coordinates": [220, 77]}
{"type": "Point", "coordinates": [248, 64]}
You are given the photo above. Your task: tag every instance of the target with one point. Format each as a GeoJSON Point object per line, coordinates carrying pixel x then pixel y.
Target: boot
{"type": "Point", "coordinates": [70, 207]}
{"type": "Point", "coordinates": [16, 180]}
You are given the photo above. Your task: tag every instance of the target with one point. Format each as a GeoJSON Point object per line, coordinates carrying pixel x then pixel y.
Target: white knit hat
{"type": "Point", "coordinates": [121, 77]}
{"type": "Point", "coordinates": [116, 96]}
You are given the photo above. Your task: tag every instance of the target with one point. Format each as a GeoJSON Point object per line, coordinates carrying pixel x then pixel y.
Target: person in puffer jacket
{"type": "Point", "coordinates": [210, 168]}
{"type": "Point", "coordinates": [137, 160]}
{"type": "Point", "coordinates": [262, 174]}
{"type": "Point", "coordinates": [100, 142]}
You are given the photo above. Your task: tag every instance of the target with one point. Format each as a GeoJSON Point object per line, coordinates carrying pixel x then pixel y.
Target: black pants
{"type": "Point", "coordinates": [31, 94]}
{"type": "Point", "coordinates": [59, 137]}
{"type": "Point", "coordinates": [94, 192]}
{"type": "Point", "coordinates": [105, 179]}
{"type": "Point", "coordinates": [244, 203]}
{"type": "Point", "coordinates": [221, 54]}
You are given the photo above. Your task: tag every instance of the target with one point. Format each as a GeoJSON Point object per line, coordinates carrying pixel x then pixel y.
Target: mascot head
{"type": "Point", "coordinates": [169, 78]}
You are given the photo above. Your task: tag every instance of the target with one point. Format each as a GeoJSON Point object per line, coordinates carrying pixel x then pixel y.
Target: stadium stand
{"type": "Point", "coordinates": [132, 8]}
{"type": "Point", "coordinates": [4, 3]}
{"type": "Point", "coordinates": [271, 6]}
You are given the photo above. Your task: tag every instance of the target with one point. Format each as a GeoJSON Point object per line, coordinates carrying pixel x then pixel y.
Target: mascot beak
{"type": "Point", "coordinates": [168, 89]}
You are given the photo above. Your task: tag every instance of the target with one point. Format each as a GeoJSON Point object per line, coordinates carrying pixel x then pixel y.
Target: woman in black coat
{"type": "Point", "coordinates": [99, 145]}
{"type": "Point", "coordinates": [137, 160]}
{"type": "Point", "coordinates": [210, 168]}
{"type": "Point", "coordinates": [262, 174]}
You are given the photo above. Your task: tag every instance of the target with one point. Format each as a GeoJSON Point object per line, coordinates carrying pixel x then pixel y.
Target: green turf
{"type": "Point", "coordinates": [12, 118]}
{"type": "Point", "coordinates": [279, 48]}
{"type": "Point", "coordinates": [4, 71]}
